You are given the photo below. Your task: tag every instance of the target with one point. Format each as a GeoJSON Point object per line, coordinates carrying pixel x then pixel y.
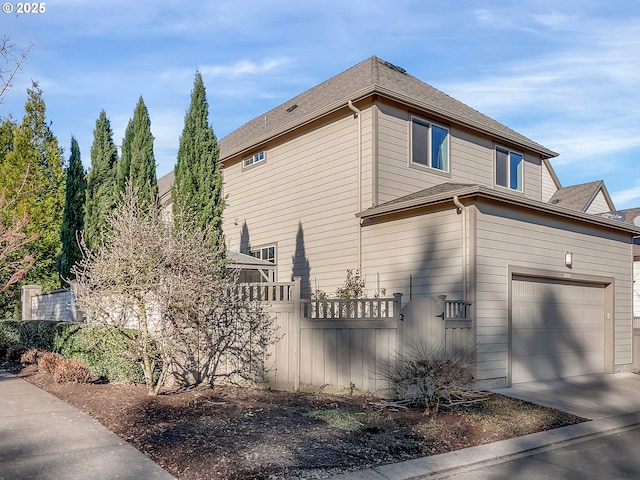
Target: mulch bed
{"type": "Point", "coordinates": [239, 433]}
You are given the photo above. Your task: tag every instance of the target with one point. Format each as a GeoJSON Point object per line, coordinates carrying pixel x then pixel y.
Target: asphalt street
{"type": "Point", "coordinates": [609, 456]}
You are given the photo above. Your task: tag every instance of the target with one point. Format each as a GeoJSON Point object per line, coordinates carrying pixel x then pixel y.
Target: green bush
{"type": "Point", "coordinates": [32, 334]}
{"type": "Point", "coordinates": [106, 350]}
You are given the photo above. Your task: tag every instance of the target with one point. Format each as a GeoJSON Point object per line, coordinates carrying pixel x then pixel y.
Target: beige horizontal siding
{"type": "Point", "coordinates": [527, 240]}
{"type": "Point", "coordinates": [532, 177]}
{"type": "Point", "coordinates": [420, 251]}
{"type": "Point", "coordinates": [471, 160]}
{"type": "Point", "coordinates": [548, 186]}
{"type": "Point", "coordinates": [305, 194]}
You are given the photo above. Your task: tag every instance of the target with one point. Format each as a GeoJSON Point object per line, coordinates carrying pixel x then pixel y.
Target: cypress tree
{"type": "Point", "coordinates": [197, 190]}
{"type": "Point", "coordinates": [73, 216]}
{"type": "Point", "coordinates": [32, 175]}
{"type": "Point", "coordinates": [101, 183]}
{"type": "Point", "coordinates": [138, 162]}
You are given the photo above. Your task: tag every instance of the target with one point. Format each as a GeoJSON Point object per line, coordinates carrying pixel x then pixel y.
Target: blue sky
{"type": "Point", "coordinates": [564, 73]}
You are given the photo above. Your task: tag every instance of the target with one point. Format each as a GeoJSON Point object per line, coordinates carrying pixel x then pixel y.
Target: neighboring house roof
{"type": "Point", "coordinates": [372, 76]}
{"type": "Point", "coordinates": [632, 216]}
{"type": "Point", "coordinates": [447, 191]}
{"type": "Point", "coordinates": [580, 197]}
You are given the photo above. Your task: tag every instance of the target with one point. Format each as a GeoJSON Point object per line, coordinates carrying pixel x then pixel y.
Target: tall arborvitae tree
{"type": "Point", "coordinates": [73, 217]}
{"type": "Point", "coordinates": [101, 183]}
{"type": "Point", "coordinates": [138, 163]}
{"type": "Point", "coordinates": [32, 173]}
{"type": "Point", "coordinates": [197, 190]}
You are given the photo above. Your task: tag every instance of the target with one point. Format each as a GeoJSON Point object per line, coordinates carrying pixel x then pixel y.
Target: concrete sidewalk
{"type": "Point", "coordinates": [612, 400]}
{"type": "Point", "coordinates": [42, 437]}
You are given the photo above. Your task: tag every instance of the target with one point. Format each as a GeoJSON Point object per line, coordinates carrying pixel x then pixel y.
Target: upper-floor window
{"type": "Point", "coordinates": [509, 169]}
{"type": "Point", "coordinates": [429, 145]}
{"type": "Point", "coordinates": [255, 158]}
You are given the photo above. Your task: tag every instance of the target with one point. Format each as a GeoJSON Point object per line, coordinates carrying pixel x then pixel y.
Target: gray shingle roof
{"type": "Point", "coordinates": [446, 192]}
{"type": "Point", "coordinates": [577, 197]}
{"type": "Point", "coordinates": [366, 78]}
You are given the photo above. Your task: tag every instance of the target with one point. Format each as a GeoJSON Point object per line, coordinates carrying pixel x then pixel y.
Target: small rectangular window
{"type": "Point", "coordinates": [255, 158]}
{"type": "Point", "coordinates": [429, 145]}
{"type": "Point", "coordinates": [509, 169]}
{"type": "Point", "coordinates": [267, 253]}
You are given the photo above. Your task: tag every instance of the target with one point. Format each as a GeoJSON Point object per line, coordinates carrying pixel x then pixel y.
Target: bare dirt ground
{"type": "Point", "coordinates": [233, 433]}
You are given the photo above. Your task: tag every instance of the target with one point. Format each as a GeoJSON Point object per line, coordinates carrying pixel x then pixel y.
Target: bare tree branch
{"type": "Point", "coordinates": [12, 60]}
{"type": "Point", "coordinates": [171, 286]}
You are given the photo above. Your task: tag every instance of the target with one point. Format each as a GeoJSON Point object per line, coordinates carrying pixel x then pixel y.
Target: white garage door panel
{"type": "Point", "coordinates": [557, 329]}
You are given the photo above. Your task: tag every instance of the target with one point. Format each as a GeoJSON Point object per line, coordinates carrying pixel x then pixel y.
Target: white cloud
{"type": "Point", "coordinates": [628, 198]}
{"type": "Point", "coordinates": [242, 68]}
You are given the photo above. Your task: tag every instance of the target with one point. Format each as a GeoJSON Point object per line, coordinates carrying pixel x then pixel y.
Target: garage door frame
{"type": "Point", "coordinates": [607, 282]}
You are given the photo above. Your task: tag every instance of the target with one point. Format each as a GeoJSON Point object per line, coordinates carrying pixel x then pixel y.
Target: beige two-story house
{"type": "Point", "coordinates": [376, 170]}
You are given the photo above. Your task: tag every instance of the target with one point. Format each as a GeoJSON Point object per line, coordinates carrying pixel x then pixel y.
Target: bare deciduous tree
{"type": "Point", "coordinates": [171, 286]}
{"type": "Point", "coordinates": [14, 262]}
{"type": "Point", "coordinates": [10, 64]}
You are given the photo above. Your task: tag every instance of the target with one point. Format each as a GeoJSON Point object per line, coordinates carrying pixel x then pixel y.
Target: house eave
{"type": "Point", "coordinates": [502, 197]}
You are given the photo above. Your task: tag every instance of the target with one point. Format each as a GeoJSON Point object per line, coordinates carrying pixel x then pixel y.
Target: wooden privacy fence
{"type": "Point", "coordinates": [346, 343]}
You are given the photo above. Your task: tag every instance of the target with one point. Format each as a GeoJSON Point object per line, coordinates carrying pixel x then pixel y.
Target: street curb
{"type": "Point", "coordinates": [496, 452]}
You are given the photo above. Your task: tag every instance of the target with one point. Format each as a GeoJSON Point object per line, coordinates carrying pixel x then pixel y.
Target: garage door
{"type": "Point", "coordinates": [557, 329]}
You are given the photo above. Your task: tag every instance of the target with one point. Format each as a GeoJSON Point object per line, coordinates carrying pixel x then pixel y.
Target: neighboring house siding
{"type": "Point", "coordinates": [415, 254]}
{"type": "Point", "coordinates": [303, 198]}
{"type": "Point", "coordinates": [508, 239]}
{"type": "Point", "coordinates": [636, 289]}
{"type": "Point", "coordinates": [599, 204]}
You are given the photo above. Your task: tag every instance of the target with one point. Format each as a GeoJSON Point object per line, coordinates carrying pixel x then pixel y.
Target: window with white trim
{"type": "Point", "coordinates": [429, 145]}
{"type": "Point", "coordinates": [253, 159]}
{"type": "Point", "coordinates": [509, 169]}
{"type": "Point", "coordinates": [267, 253]}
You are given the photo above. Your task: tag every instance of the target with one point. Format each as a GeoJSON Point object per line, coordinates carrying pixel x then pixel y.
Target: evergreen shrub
{"type": "Point", "coordinates": [105, 349]}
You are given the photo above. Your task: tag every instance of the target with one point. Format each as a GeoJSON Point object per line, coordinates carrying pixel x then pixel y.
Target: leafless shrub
{"type": "Point", "coordinates": [171, 285]}
{"type": "Point", "coordinates": [71, 370]}
{"type": "Point", "coordinates": [48, 362]}
{"type": "Point", "coordinates": [426, 376]}
{"type": "Point", "coordinates": [30, 357]}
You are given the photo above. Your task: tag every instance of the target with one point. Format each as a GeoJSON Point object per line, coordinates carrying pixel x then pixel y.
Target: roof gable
{"type": "Point", "coordinates": [372, 76]}
{"type": "Point", "coordinates": [580, 197]}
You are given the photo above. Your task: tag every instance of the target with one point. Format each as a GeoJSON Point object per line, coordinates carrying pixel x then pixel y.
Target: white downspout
{"type": "Point", "coordinates": [463, 211]}
{"type": "Point", "coordinates": [357, 114]}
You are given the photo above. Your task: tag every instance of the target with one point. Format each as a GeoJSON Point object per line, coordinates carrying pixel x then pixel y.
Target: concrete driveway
{"type": "Point", "coordinates": [590, 396]}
